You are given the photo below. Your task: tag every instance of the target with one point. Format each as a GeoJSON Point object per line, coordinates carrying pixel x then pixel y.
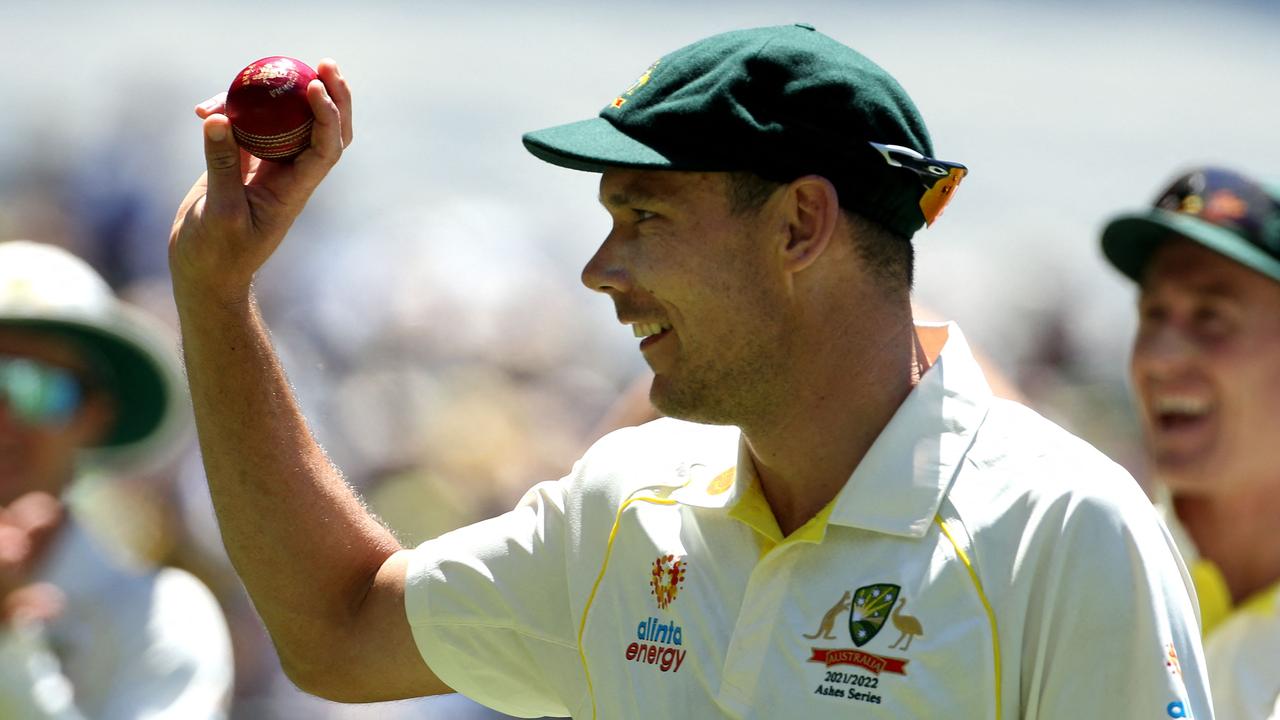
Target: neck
{"type": "Point", "coordinates": [805, 452]}
{"type": "Point", "coordinates": [1236, 533]}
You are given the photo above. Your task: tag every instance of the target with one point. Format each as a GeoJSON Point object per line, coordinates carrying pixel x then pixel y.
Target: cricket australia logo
{"type": "Point", "coordinates": [853, 673]}
{"type": "Point", "coordinates": [871, 607]}
{"type": "Point", "coordinates": [666, 578]}
{"type": "Point", "coordinates": [639, 83]}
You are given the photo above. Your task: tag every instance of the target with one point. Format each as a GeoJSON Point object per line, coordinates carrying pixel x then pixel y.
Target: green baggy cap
{"type": "Point", "coordinates": [1220, 209]}
{"type": "Point", "coordinates": [781, 102]}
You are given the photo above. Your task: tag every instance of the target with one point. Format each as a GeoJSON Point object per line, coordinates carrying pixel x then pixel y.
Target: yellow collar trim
{"type": "Point", "coordinates": [1215, 597]}
{"type": "Point", "coordinates": [752, 510]}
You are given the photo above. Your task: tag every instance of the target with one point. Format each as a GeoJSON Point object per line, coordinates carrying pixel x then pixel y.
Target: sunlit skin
{"type": "Point", "coordinates": [727, 327]}
{"type": "Point", "coordinates": [774, 324]}
{"type": "Point", "coordinates": [1206, 372]}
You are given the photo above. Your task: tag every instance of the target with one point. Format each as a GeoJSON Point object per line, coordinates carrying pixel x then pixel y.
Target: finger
{"type": "Point", "coordinates": [35, 512]}
{"type": "Point", "coordinates": [36, 516]}
{"type": "Point", "coordinates": [39, 602]}
{"type": "Point", "coordinates": [15, 547]}
{"type": "Point", "coordinates": [225, 195]}
{"type": "Point", "coordinates": [340, 92]}
{"type": "Point", "coordinates": [214, 105]}
{"type": "Point", "coordinates": [326, 134]}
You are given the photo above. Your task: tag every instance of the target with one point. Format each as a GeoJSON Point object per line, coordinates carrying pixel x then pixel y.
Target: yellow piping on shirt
{"type": "Point", "coordinates": [982, 595]}
{"type": "Point", "coordinates": [582, 626]}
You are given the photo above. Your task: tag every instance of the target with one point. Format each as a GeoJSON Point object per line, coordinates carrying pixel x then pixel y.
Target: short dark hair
{"type": "Point", "coordinates": [888, 255]}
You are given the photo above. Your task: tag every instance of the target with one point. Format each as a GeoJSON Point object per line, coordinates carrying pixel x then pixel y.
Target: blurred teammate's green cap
{"type": "Point", "coordinates": [1220, 209]}
{"type": "Point", "coordinates": [781, 102]}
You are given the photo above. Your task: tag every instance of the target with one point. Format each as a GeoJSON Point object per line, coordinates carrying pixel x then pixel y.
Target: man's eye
{"type": "Point", "coordinates": [1211, 320]}
{"type": "Point", "coordinates": [642, 215]}
{"type": "Point", "coordinates": [1152, 313]}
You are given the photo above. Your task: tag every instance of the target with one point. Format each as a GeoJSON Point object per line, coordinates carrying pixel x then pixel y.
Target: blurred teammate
{"type": "Point", "coordinates": [80, 635]}
{"type": "Point", "coordinates": [844, 521]}
{"type": "Point", "coordinates": [1206, 372]}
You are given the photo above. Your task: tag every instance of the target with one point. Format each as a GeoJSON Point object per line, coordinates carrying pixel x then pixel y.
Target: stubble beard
{"type": "Point", "coordinates": [712, 393]}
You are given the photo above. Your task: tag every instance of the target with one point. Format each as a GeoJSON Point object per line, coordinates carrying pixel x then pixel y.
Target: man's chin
{"type": "Point", "coordinates": [671, 402]}
{"type": "Point", "coordinates": [1187, 476]}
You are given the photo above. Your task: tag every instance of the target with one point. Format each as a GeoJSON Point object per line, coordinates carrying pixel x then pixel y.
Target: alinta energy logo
{"type": "Point", "coordinates": [659, 643]}
{"type": "Point", "coordinates": [666, 578]}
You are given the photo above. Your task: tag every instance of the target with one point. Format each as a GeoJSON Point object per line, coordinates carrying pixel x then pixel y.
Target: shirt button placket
{"type": "Point", "coordinates": [753, 634]}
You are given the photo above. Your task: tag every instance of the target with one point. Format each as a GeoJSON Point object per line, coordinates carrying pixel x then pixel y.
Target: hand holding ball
{"type": "Point", "coordinates": [268, 109]}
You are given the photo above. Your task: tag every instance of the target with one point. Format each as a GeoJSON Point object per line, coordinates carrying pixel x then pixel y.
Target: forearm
{"type": "Point", "coordinates": [324, 575]}
{"type": "Point", "coordinates": [300, 539]}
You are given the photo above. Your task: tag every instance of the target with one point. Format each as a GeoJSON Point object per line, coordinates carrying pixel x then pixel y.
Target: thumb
{"type": "Point", "coordinates": [225, 192]}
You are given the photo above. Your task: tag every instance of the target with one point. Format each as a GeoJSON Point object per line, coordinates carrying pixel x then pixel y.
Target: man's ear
{"type": "Point", "coordinates": [812, 214]}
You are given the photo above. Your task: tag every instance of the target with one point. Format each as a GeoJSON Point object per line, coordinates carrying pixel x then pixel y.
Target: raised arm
{"type": "Point", "coordinates": [324, 575]}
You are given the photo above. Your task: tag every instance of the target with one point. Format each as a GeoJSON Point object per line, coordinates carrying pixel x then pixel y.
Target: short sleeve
{"type": "Point", "coordinates": [490, 613]}
{"type": "Point", "coordinates": [1112, 631]}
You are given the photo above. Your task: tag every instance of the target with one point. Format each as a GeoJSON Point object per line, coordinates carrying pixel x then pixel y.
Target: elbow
{"type": "Point", "coordinates": [316, 678]}
{"type": "Point", "coordinates": [340, 676]}
{"type": "Point", "coordinates": [329, 680]}
{"type": "Point", "coordinates": [324, 669]}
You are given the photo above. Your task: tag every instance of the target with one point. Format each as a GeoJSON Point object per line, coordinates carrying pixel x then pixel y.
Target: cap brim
{"type": "Point", "coordinates": [144, 379]}
{"type": "Point", "coordinates": [593, 145]}
{"type": "Point", "coordinates": [1129, 241]}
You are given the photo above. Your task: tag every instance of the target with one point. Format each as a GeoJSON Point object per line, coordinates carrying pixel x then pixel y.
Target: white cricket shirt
{"type": "Point", "coordinates": [979, 563]}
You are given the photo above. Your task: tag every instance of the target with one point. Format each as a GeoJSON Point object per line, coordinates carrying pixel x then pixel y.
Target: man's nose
{"type": "Point", "coordinates": [605, 272]}
{"type": "Point", "coordinates": [1163, 349]}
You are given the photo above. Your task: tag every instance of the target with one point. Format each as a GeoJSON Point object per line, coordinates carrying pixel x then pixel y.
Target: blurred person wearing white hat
{"type": "Point", "coordinates": [89, 381]}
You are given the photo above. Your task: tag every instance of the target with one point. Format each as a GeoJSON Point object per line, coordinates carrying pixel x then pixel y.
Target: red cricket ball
{"type": "Point", "coordinates": [268, 108]}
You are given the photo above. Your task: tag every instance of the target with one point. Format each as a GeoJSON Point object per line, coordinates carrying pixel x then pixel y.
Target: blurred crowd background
{"type": "Point", "coordinates": [427, 304]}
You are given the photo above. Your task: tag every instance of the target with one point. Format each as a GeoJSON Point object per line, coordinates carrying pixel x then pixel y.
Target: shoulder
{"type": "Point", "coordinates": [100, 579]}
{"type": "Point", "coordinates": [1027, 473]}
{"type": "Point", "coordinates": [168, 602]}
{"type": "Point", "coordinates": [1023, 452]}
{"type": "Point", "coordinates": [1051, 514]}
{"type": "Point", "coordinates": [664, 440]}
{"type": "Point", "coordinates": [181, 592]}
{"type": "Point", "coordinates": [661, 453]}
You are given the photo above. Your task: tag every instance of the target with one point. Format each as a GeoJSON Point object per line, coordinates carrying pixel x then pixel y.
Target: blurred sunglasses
{"type": "Point", "coordinates": [940, 178]}
{"type": "Point", "coordinates": [38, 394]}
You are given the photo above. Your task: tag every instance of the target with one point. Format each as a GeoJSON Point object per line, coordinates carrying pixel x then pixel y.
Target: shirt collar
{"type": "Point", "coordinates": [901, 481]}
{"type": "Point", "coordinates": [715, 485]}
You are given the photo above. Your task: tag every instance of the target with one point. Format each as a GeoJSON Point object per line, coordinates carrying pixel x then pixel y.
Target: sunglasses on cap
{"type": "Point", "coordinates": [940, 178]}
{"type": "Point", "coordinates": [38, 394]}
